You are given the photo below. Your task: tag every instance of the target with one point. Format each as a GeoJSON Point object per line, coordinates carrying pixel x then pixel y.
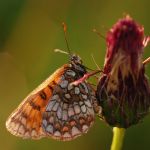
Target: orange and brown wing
{"type": "Point", "coordinates": [26, 120]}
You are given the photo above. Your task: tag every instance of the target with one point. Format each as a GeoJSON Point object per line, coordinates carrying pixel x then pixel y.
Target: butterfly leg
{"type": "Point", "coordinates": [146, 61]}
{"type": "Point", "coordinates": [146, 41]}
{"type": "Point", "coordinates": [86, 76]}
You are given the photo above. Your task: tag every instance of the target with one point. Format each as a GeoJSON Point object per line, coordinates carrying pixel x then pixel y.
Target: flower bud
{"type": "Point", "coordinates": [123, 91]}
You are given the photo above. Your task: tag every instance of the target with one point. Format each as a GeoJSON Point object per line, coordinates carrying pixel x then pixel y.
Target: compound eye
{"type": "Point", "coordinates": [78, 60]}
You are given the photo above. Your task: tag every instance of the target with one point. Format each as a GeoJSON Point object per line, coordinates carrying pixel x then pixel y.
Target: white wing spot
{"type": "Point", "coordinates": [77, 109]}
{"type": "Point", "coordinates": [57, 134]}
{"type": "Point", "coordinates": [71, 73]}
{"type": "Point", "coordinates": [67, 96]}
{"type": "Point", "coordinates": [87, 103]}
{"type": "Point", "coordinates": [16, 127]}
{"type": "Point", "coordinates": [70, 87]}
{"type": "Point", "coordinates": [50, 105]}
{"type": "Point", "coordinates": [64, 84]}
{"type": "Point", "coordinates": [51, 119]}
{"type": "Point", "coordinates": [55, 106]}
{"type": "Point", "coordinates": [65, 115]}
{"type": "Point", "coordinates": [84, 128]}
{"type": "Point", "coordinates": [59, 112]}
{"type": "Point", "coordinates": [33, 133]}
{"type": "Point", "coordinates": [55, 97]}
{"type": "Point", "coordinates": [12, 125]}
{"type": "Point", "coordinates": [65, 106]}
{"type": "Point", "coordinates": [84, 96]}
{"type": "Point", "coordinates": [83, 108]}
{"type": "Point", "coordinates": [21, 130]}
{"type": "Point", "coordinates": [75, 131]}
{"type": "Point", "coordinates": [66, 135]}
{"type": "Point", "coordinates": [70, 112]}
{"type": "Point", "coordinates": [81, 103]}
{"type": "Point", "coordinates": [45, 123]}
{"type": "Point", "coordinates": [49, 129]}
{"type": "Point", "coordinates": [76, 90]}
{"type": "Point", "coordinates": [90, 111]}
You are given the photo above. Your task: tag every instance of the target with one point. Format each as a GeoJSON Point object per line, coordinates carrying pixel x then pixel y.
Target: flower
{"type": "Point", "coordinates": [123, 90]}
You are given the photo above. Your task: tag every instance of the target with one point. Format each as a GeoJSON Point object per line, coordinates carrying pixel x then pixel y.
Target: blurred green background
{"type": "Point", "coordinates": [29, 32]}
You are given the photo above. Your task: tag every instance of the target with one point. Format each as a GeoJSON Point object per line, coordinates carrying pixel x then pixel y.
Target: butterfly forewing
{"type": "Point", "coordinates": [26, 120]}
{"type": "Point", "coordinates": [56, 108]}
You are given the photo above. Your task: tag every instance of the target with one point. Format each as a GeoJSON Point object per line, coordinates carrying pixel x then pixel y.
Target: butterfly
{"type": "Point", "coordinates": [57, 108]}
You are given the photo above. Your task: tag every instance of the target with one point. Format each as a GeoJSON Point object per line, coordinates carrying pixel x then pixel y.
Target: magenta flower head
{"type": "Point", "coordinates": [123, 90]}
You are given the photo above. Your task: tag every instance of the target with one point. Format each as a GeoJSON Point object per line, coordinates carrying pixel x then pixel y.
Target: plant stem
{"type": "Point", "coordinates": [118, 136]}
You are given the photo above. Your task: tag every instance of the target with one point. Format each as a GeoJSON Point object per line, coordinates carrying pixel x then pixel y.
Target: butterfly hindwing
{"type": "Point", "coordinates": [69, 112]}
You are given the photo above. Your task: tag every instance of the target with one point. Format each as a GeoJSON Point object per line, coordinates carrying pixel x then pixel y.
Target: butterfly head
{"type": "Point", "coordinates": [75, 59]}
{"type": "Point", "coordinates": [76, 63]}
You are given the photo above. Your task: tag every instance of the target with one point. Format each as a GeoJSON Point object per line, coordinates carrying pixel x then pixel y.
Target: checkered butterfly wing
{"type": "Point", "coordinates": [26, 120]}
{"type": "Point", "coordinates": [56, 108]}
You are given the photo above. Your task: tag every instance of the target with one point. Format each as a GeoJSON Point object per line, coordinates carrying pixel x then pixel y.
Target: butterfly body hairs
{"type": "Point", "coordinates": [57, 108]}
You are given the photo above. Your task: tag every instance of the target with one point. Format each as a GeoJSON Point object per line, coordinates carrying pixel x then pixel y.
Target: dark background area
{"type": "Point", "coordinates": [29, 32]}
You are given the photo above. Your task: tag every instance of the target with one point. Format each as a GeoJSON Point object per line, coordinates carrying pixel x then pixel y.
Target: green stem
{"type": "Point", "coordinates": [118, 136]}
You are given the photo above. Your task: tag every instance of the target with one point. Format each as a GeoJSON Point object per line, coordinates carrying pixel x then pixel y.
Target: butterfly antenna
{"type": "Point", "coordinates": [95, 62]}
{"type": "Point", "coordinates": [99, 34]}
{"type": "Point", "coordinates": [61, 51]}
{"type": "Point", "coordinates": [65, 34]}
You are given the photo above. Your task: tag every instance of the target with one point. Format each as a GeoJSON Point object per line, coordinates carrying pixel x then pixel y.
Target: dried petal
{"type": "Point", "coordinates": [123, 90]}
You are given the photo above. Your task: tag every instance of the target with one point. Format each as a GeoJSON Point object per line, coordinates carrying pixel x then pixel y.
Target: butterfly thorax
{"type": "Point", "coordinates": [76, 64]}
